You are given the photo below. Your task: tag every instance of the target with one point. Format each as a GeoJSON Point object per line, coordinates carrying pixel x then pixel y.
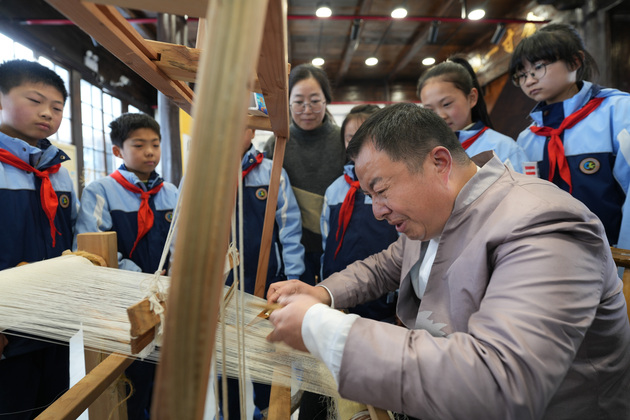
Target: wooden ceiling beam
{"type": "Point", "coordinates": [110, 29]}
{"type": "Point", "coordinates": [194, 8]}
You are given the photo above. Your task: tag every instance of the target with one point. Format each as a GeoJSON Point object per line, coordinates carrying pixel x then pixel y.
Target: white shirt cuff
{"type": "Point", "coordinates": [324, 332]}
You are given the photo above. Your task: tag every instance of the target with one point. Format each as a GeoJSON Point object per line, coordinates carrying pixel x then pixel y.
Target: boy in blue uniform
{"type": "Point", "coordinates": [136, 203]}
{"type": "Point", "coordinates": [579, 137]}
{"type": "Point", "coordinates": [39, 208]}
{"type": "Point", "coordinates": [286, 260]}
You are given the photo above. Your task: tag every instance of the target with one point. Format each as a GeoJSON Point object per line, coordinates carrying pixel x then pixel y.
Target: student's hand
{"type": "Point", "coordinates": [288, 320]}
{"type": "Point", "coordinates": [3, 342]}
{"type": "Point", "coordinates": [292, 287]}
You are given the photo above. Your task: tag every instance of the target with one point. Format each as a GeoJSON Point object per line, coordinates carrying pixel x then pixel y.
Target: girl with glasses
{"type": "Point", "coordinates": [313, 158]}
{"type": "Point", "coordinates": [579, 129]}
{"type": "Point", "coordinates": [452, 91]}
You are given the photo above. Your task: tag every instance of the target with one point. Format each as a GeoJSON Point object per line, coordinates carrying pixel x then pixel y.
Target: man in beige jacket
{"type": "Point", "coordinates": [508, 290]}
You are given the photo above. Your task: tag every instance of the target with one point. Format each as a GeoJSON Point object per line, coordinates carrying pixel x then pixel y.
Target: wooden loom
{"type": "Point", "coordinates": [233, 37]}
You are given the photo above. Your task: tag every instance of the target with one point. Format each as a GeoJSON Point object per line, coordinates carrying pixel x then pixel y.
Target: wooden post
{"type": "Point", "coordinates": [105, 245]}
{"type": "Point", "coordinates": [622, 259]}
{"type": "Point", "coordinates": [231, 44]}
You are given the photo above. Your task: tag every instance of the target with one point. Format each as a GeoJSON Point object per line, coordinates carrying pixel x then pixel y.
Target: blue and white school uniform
{"type": "Point", "coordinates": [32, 372]}
{"type": "Point", "coordinates": [505, 147]}
{"type": "Point", "coordinates": [597, 150]}
{"type": "Point", "coordinates": [286, 259]}
{"type": "Point", "coordinates": [107, 206]}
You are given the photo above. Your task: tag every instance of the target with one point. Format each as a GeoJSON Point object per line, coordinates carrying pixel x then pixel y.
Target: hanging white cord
{"type": "Point", "coordinates": [153, 287]}
{"type": "Point", "coordinates": [223, 305]}
{"type": "Point", "coordinates": [241, 325]}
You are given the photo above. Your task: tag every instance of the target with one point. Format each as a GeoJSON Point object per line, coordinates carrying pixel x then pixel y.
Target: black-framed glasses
{"type": "Point", "coordinates": [538, 71]}
{"type": "Point", "coordinates": [316, 106]}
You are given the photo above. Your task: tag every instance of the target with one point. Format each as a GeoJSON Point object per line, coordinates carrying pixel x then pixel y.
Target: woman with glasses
{"type": "Point", "coordinates": [313, 158]}
{"type": "Point", "coordinates": [579, 138]}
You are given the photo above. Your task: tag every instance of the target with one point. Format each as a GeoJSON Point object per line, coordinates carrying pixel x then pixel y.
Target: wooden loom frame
{"type": "Point", "coordinates": [234, 35]}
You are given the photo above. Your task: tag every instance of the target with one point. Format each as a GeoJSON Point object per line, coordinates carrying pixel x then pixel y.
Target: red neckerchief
{"type": "Point", "coordinates": [345, 213]}
{"type": "Point", "coordinates": [555, 147]}
{"type": "Point", "coordinates": [145, 215]}
{"type": "Point", "coordinates": [466, 144]}
{"type": "Point", "coordinates": [47, 194]}
{"type": "Point", "coordinates": [259, 159]}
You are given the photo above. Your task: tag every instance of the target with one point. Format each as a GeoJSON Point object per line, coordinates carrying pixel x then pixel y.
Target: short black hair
{"type": "Point", "coordinates": [122, 126]}
{"type": "Point", "coordinates": [551, 43]}
{"type": "Point", "coordinates": [14, 73]}
{"type": "Point", "coordinates": [407, 133]}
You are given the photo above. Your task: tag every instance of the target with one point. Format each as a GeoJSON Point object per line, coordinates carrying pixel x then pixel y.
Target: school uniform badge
{"type": "Point", "coordinates": [169, 216]}
{"type": "Point", "coordinates": [530, 168]}
{"type": "Point", "coordinates": [589, 166]}
{"type": "Point", "coordinates": [64, 201]}
{"type": "Point", "coordinates": [261, 193]}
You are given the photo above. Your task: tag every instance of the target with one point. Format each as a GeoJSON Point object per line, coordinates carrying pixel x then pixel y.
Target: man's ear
{"type": "Point", "coordinates": [116, 151]}
{"type": "Point", "coordinates": [442, 160]}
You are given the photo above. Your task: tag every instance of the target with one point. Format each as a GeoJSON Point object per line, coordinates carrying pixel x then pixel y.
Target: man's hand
{"type": "Point", "coordinates": [293, 287]}
{"type": "Point", "coordinates": [288, 320]}
{"type": "Point", "coordinates": [3, 343]}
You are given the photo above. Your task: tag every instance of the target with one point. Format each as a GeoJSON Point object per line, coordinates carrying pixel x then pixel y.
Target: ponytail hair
{"type": "Point", "coordinates": [460, 73]}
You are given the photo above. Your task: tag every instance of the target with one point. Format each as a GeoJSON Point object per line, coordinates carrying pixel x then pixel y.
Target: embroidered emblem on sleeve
{"type": "Point", "coordinates": [261, 194]}
{"type": "Point", "coordinates": [589, 166]}
{"type": "Point", "coordinates": [64, 201]}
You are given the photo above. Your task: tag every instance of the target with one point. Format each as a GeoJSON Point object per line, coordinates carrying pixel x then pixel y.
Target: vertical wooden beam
{"type": "Point", "coordinates": [171, 29]}
{"type": "Point", "coordinates": [77, 125]}
{"type": "Point", "coordinates": [274, 83]}
{"type": "Point", "coordinates": [230, 46]}
{"type": "Point", "coordinates": [273, 78]}
{"type": "Point", "coordinates": [270, 217]}
{"type": "Point", "coordinates": [103, 244]}
{"type": "Point", "coordinates": [622, 259]}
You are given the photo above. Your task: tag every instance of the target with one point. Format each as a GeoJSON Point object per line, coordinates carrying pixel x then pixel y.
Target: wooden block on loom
{"type": "Point", "coordinates": [104, 244]}
{"type": "Point", "coordinates": [143, 323]}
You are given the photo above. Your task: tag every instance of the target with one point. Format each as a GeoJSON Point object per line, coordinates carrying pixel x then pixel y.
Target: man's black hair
{"type": "Point", "coordinates": [407, 133]}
